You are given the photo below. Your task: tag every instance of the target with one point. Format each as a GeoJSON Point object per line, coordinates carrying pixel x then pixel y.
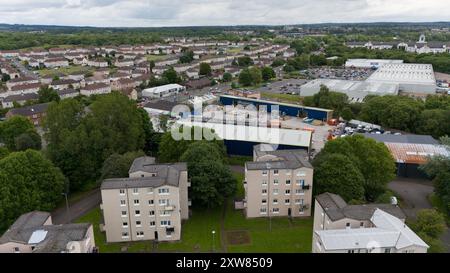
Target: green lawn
{"type": "Point", "coordinates": [197, 233]}
{"type": "Point", "coordinates": [156, 58]}
{"type": "Point", "coordinates": [282, 97]}
{"type": "Point", "coordinates": [64, 70]}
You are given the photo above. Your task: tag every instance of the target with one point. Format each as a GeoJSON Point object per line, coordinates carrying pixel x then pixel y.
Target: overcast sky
{"type": "Point", "coordinates": [148, 13]}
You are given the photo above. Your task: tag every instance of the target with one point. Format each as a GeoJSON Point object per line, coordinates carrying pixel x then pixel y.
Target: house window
{"type": "Point", "coordinates": [138, 223]}
{"type": "Point", "coordinates": [347, 225]}
{"type": "Point", "coordinates": [16, 250]}
{"type": "Point", "coordinates": [275, 181]}
{"type": "Point", "coordinates": [288, 182]}
{"type": "Point", "coordinates": [137, 213]}
{"type": "Point", "coordinates": [122, 192]}
{"type": "Point", "coordinates": [136, 202]}
{"type": "Point", "coordinates": [361, 224]}
{"type": "Point", "coordinates": [275, 172]}
{"type": "Point", "coordinates": [163, 191]}
{"type": "Point", "coordinates": [152, 223]}
{"type": "Point", "coordinates": [140, 234]}
{"type": "Point", "coordinates": [387, 250]}
{"type": "Point", "coordinates": [123, 203]}
{"type": "Point", "coordinates": [124, 235]}
{"type": "Point", "coordinates": [287, 201]}
{"type": "Point", "coordinates": [125, 224]}
{"type": "Point", "coordinates": [287, 192]}
{"type": "Point", "coordinates": [151, 202]}
{"type": "Point", "coordinates": [135, 191]}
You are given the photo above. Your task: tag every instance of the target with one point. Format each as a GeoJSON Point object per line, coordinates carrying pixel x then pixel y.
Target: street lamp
{"type": "Point", "coordinates": [214, 242]}
{"type": "Point", "coordinates": [67, 207]}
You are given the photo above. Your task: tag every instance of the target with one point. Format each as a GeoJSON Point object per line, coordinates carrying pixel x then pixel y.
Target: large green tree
{"type": "Point", "coordinates": [205, 69]}
{"type": "Point", "coordinates": [28, 181]}
{"type": "Point", "coordinates": [47, 94]}
{"type": "Point", "coordinates": [18, 134]}
{"type": "Point", "coordinates": [372, 159]}
{"type": "Point", "coordinates": [336, 173]}
{"type": "Point", "coordinates": [117, 165]}
{"type": "Point", "coordinates": [268, 73]}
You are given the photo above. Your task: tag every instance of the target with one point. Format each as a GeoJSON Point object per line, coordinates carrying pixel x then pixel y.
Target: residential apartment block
{"type": "Point", "coordinates": [149, 205]}
{"type": "Point", "coordinates": [371, 228]}
{"type": "Point", "coordinates": [34, 232]}
{"type": "Point", "coordinates": [278, 183]}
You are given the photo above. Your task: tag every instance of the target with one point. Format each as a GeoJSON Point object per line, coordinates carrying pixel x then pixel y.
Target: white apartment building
{"type": "Point", "coordinates": [149, 205]}
{"type": "Point", "coordinates": [278, 183]}
{"type": "Point", "coordinates": [371, 228]}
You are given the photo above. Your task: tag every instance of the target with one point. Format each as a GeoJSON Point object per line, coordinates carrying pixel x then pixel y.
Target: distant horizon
{"type": "Point", "coordinates": [224, 26]}
{"type": "Point", "coordinates": [188, 13]}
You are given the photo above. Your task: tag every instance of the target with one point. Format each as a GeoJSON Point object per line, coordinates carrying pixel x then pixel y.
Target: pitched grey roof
{"type": "Point", "coordinates": [410, 139]}
{"type": "Point", "coordinates": [165, 174]}
{"type": "Point", "coordinates": [30, 110]}
{"type": "Point", "coordinates": [67, 92]}
{"type": "Point", "coordinates": [286, 159]}
{"type": "Point", "coordinates": [56, 239]}
{"type": "Point", "coordinates": [163, 105]}
{"type": "Point", "coordinates": [21, 97]}
{"type": "Point", "coordinates": [336, 208]}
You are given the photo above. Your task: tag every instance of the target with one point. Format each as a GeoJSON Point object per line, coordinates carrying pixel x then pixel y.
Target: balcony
{"type": "Point", "coordinates": [306, 187]}
{"type": "Point", "coordinates": [169, 207]}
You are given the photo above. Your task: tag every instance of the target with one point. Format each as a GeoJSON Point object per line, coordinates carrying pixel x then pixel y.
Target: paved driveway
{"type": "Point", "coordinates": [77, 208]}
{"type": "Point", "coordinates": [414, 194]}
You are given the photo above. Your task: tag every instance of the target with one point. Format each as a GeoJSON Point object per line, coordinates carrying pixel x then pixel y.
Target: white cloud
{"type": "Point", "coordinates": [142, 13]}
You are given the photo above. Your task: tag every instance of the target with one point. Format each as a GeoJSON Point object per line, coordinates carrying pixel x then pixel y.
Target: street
{"type": "Point", "coordinates": [77, 208]}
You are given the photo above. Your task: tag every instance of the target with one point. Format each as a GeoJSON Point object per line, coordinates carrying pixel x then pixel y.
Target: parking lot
{"type": "Point", "coordinates": [291, 86]}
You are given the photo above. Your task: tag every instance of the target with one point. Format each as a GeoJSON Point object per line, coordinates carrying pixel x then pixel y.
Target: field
{"type": "Point", "coordinates": [64, 70]}
{"type": "Point", "coordinates": [281, 97]}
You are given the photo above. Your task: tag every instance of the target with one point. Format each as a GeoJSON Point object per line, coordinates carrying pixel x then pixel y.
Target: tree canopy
{"type": "Point", "coordinates": [18, 134]}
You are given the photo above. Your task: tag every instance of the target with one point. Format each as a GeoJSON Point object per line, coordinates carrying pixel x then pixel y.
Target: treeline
{"type": "Point", "coordinates": [429, 117]}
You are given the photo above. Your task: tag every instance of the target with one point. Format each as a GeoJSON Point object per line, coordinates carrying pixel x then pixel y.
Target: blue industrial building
{"type": "Point", "coordinates": [284, 108]}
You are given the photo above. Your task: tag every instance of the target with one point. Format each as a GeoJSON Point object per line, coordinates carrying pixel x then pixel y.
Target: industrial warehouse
{"type": "Point", "coordinates": [390, 78]}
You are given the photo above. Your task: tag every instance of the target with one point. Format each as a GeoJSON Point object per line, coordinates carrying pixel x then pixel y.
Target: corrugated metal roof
{"type": "Point", "coordinates": [415, 153]}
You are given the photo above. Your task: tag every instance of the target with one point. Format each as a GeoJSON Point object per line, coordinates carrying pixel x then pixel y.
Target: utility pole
{"type": "Point", "coordinates": [67, 208]}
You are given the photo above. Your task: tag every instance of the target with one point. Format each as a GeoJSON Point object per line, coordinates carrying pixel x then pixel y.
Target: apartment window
{"type": "Point", "coordinates": [387, 250]}
{"type": "Point", "coordinates": [288, 182]}
{"type": "Point", "coordinates": [264, 191]}
{"type": "Point", "coordinates": [125, 224]}
{"type": "Point", "coordinates": [275, 191]}
{"type": "Point", "coordinates": [136, 202]}
{"type": "Point", "coordinates": [149, 190]}
{"type": "Point", "coordinates": [135, 191]}
{"type": "Point", "coordinates": [163, 191]}
{"type": "Point", "coordinates": [275, 210]}
{"type": "Point", "coordinates": [16, 250]}
{"type": "Point", "coordinates": [151, 213]}
{"type": "Point", "coordinates": [124, 234]}
{"type": "Point", "coordinates": [264, 201]}
{"type": "Point", "coordinates": [140, 234]}
{"type": "Point", "coordinates": [300, 173]}
{"type": "Point", "coordinates": [123, 203]}
{"type": "Point", "coordinates": [152, 223]}
{"type": "Point", "coordinates": [297, 201]}
{"type": "Point", "coordinates": [163, 213]}
{"type": "Point", "coordinates": [351, 251]}
{"type": "Point", "coordinates": [275, 172]}
{"type": "Point", "coordinates": [151, 202]}
{"type": "Point", "coordinates": [275, 181]}
{"type": "Point", "coordinates": [163, 202]}
{"type": "Point", "coordinates": [299, 192]}
{"type": "Point", "coordinates": [361, 224]}
{"type": "Point", "coordinates": [287, 192]}
{"type": "Point", "coordinates": [138, 224]}
{"type": "Point", "coordinates": [347, 225]}
{"type": "Point", "coordinates": [122, 192]}
{"type": "Point", "coordinates": [300, 182]}
{"type": "Point", "coordinates": [137, 213]}
{"type": "Point", "coordinates": [264, 183]}
{"type": "Point", "coordinates": [165, 223]}
{"type": "Point", "coordinates": [287, 201]}
{"type": "Point", "coordinates": [124, 213]}
{"type": "Point", "coordinates": [263, 210]}
{"type": "Point", "coordinates": [275, 201]}
{"type": "Point", "coordinates": [264, 172]}
{"type": "Point", "coordinates": [288, 173]}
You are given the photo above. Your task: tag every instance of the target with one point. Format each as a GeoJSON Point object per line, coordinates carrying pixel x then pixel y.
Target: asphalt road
{"type": "Point", "coordinates": [77, 208]}
{"type": "Point", "coordinates": [415, 197]}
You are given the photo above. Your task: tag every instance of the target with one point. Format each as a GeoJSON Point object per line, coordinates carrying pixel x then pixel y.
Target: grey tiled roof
{"type": "Point", "coordinates": [21, 97]}
{"type": "Point", "coordinates": [165, 174]}
{"type": "Point", "coordinates": [30, 110]}
{"type": "Point", "coordinates": [336, 208]}
{"type": "Point", "coordinates": [56, 239]}
{"type": "Point", "coordinates": [286, 159]}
